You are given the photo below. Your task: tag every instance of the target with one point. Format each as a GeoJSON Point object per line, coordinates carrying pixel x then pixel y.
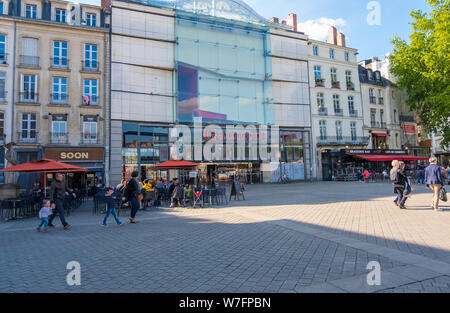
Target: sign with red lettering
{"type": "Point", "coordinates": [409, 129]}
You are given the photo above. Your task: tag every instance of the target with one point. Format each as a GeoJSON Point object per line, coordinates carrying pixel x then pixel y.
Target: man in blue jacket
{"type": "Point", "coordinates": [433, 180]}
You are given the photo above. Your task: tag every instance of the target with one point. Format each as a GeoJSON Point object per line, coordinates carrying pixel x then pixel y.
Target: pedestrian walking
{"type": "Point", "coordinates": [434, 181]}
{"type": "Point", "coordinates": [399, 179]}
{"type": "Point", "coordinates": [366, 175]}
{"type": "Point", "coordinates": [44, 213]}
{"type": "Point", "coordinates": [421, 176]}
{"type": "Point", "coordinates": [58, 191]}
{"type": "Point", "coordinates": [111, 207]}
{"type": "Point", "coordinates": [131, 193]}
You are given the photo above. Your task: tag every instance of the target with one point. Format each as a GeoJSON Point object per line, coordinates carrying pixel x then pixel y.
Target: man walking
{"type": "Point", "coordinates": [132, 191]}
{"type": "Point", "coordinates": [433, 180]}
{"type": "Point", "coordinates": [57, 193]}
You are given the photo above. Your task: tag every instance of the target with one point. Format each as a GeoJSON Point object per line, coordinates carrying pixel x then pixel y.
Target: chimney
{"type": "Point", "coordinates": [274, 20]}
{"type": "Point", "coordinates": [291, 21]}
{"type": "Point", "coordinates": [105, 3]}
{"type": "Point", "coordinates": [332, 35]}
{"type": "Point", "coordinates": [341, 40]}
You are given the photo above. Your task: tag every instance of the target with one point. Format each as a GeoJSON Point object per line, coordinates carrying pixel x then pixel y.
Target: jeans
{"type": "Point", "coordinates": [59, 209]}
{"type": "Point", "coordinates": [44, 221]}
{"type": "Point", "coordinates": [114, 214]}
{"type": "Point", "coordinates": [401, 196]}
{"type": "Point", "coordinates": [134, 207]}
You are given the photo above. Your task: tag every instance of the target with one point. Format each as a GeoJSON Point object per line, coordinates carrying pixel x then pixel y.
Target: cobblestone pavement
{"type": "Point", "coordinates": [316, 237]}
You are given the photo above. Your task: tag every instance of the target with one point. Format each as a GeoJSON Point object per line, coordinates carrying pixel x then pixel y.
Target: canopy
{"type": "Point", "coordinates": [381, 134]}
{"type": "Point", "coordinates": [44, 166]}
{"type": "Point", "coordinates": [383, 158]}
{"type": "Point", "coordinates": [173, 164]}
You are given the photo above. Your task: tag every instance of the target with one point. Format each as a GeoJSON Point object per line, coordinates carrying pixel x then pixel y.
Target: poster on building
{"type": "Point", "coordinates": [409, 129]}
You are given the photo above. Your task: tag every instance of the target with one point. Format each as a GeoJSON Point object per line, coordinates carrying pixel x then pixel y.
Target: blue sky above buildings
{"type": "Point", "coordinates": [349, 16]}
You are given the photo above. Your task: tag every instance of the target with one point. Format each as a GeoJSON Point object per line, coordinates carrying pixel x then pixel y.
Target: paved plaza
{"type": "Point", "coordinates": [294, 238]}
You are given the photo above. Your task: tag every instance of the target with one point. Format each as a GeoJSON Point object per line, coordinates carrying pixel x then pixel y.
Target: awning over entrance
{"type": "Point", "coordinates": [386, 158]}
{"type": "Point", "coordinates": [381, 135]}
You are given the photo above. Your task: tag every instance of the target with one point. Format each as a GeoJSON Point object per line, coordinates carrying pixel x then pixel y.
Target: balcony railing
{"type": "Point", "coordinates": [373, 100]}
{"type": "Point", "coordinates": [90, 65]}
{"type": "Point", "coordinates": [378, 125]}
{"type": "Point", "coordinates": [335, 84]}
{"type": "Point", "coordinates": [407, 118]}
{"type": "Point", "coordinates": [29, 97]}
{"type": "Point", "coordinates": [89, 138]}
{"type": "Point", "coordinates": [59, 98]}
{"type": "Point", "coordinates": [320, 82]}
{"type": "Point", "coordinates": [338, 112]}
{"type": "Point", "coordinates": [3, 58]}
{"type": "Point", "coordinates": [28, 136]}
{"type": "Point", "coordinates": [29, 61]}
{"type": "Point", "coordinates": [323, 111]}
{"type": "Point", "coordinates": [380, 101]}
{"type": "Point", "coordinates": [59, 63]}
{"type": "Point", "coordinates": [350, 86]}
{"type": "Point", "coordinates": [3, 94]}
{"type": "Point", "coordinates": [353, 113]}
{"type": "Point", "coordinates": [342, 140]}
{"type": "Point", "coordinates": [89, 100]}
{"type": "Point", "coordinates": [58, 137]}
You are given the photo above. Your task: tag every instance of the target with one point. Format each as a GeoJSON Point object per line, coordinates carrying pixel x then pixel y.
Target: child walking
{"type": "Point", "coordinates": [44, 213]}
{"type": "Point", "coordinates": [111, 207]}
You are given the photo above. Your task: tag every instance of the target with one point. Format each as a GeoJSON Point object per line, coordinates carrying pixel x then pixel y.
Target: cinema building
{"type": "Point", "coordinates": [176, 63]}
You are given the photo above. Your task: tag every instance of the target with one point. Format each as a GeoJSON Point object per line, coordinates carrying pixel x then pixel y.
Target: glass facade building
{"type": "Point", "coordinates": [209, 60]}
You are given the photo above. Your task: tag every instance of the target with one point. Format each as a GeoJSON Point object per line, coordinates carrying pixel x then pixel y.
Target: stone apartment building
{"type": "Point", "coordinates": [337, 113]}
{"type": "Point", "coordinates": [54, 83]}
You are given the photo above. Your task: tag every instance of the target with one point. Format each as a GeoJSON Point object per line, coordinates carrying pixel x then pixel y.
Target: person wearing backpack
{"type": "Point", "coordinates": [433, 180]}
{"type": "Point", "coordinates": [130, 194]}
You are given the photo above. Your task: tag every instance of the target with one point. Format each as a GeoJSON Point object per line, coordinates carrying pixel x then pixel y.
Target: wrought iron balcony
{"type": "Point", "coordinates": [89, 138]}
{"type": "Point", "coordinates": [29, 97]}
{"type": "Point", "coordinates": [90, 65]}
{"type": "Point", "coordinates": [88, 100]}
{"type": "Point", "coordinates": [350, 86]}
{"type": "Point", "coordinates": [353, 113]}
{"type": "Point", "coordinates": [320, 82]}
{"type": "Point", "coordinates": [59, 98]}
{"type": "Point", "coordinates": [3, 58]}
{"type": "Point", "coordinates": [29, 61]}
{"type": "Point", "coordinates": [58, 138]}
{"type": "Point", "coordinates": [338, 112]}
{"type": "Point", "coordinates": [28, 136]}
{"type": "Point", "coordinates": [323, 111]}
{"type": "Point", "coordinates": [342, 140]}
{"type": "Point", "coordinates": [335, 84]}
{"type": "Point", "coordinates": [380, 125]}
{"type": "Point", "coordinates": [59, 63]}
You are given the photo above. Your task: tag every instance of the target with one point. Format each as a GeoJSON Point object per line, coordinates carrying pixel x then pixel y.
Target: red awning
{"type": "Point", "coordinates": [387, 158]}
{"type": "Point", "coordinates": [173, 164]}
{"type": "Point", "coordinates": [381, 135]}
{"type": "Point", "coordinates": [44, 166]}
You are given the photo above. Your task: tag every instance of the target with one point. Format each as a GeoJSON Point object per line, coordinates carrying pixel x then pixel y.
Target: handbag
{"type": "Point", "coordinates": [443, 194]}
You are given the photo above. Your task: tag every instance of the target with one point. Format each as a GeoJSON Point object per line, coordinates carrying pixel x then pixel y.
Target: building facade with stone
{"type": "Point", "coordinates": [174, 64]}
{"type": "Point", "coordinates": [337, 113]}
{"type": "Point", "coordinates": [56, 83]}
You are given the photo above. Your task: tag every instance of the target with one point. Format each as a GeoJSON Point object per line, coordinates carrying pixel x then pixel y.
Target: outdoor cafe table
{"type": "Point", "coordinates": [14, 201]}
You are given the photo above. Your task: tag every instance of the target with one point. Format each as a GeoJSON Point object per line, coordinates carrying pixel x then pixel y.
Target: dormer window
{"type": "Point", "coordinates": [91, 19]}
{"type": "Point", "coordinates": [60, 15]}
{"type": "Point", "coordinates": [31, 11]}
{"type": "Point", "coordinates": [377, 75]}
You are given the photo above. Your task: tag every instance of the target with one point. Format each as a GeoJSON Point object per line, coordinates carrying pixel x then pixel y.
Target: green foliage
{"type": "Point", "coordinates": [423, 67]}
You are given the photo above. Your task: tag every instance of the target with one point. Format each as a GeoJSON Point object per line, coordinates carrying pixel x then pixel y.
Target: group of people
{"type": "Point", "coordinates": [433, 177]}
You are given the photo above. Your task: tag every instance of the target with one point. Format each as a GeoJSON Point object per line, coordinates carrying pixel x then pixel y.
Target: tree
{"type": "Point", "coordinates": [423, 68]}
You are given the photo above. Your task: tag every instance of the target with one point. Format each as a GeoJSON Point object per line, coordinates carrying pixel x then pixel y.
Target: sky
{"type": "Point", "coordinates": [349, 16]}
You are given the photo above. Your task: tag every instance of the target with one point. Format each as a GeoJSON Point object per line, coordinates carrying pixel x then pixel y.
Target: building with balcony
{"type": "Point", "coordinates": [337, 114]}
{"type": "Point", "coordinates": [177, 62]}
{"type": "Point", "coordinates": [54, 87]}
{"type": "Point", "coordinates": [388, 121]}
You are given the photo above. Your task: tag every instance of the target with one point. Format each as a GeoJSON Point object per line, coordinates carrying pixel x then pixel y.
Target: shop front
{"type": "Point", "coordinates": [90, 158]}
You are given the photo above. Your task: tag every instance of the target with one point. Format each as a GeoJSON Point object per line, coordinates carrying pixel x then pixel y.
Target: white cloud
{"type": "Point", "coordinates": [318, 29]}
